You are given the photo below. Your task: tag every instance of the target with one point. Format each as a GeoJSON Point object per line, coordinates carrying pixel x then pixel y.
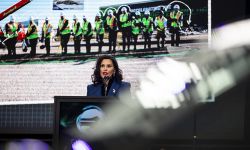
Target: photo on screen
{"type": "Point", "coordinates": [68, 4]}
{"type": "Point", "coordinates": [35, 75]}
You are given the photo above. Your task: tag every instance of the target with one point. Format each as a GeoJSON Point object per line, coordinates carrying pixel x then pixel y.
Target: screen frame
{"type": "Point", "coordinates": [73, 99]}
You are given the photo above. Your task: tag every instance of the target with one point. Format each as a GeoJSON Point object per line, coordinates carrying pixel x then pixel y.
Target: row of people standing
{"type": "Point", "coordinates": [130, 26]}
{"type": "Point", "coordinates": [30, 38]}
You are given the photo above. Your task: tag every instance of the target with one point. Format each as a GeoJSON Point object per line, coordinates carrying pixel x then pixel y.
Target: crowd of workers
{"type": "Point", "coordinates": [131, 25]}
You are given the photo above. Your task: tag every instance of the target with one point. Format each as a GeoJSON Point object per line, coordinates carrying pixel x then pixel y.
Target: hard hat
{"type": "Point", "coordinates": [110, 12]}
{"type": "Point", "coordinates": [147, 12]}
{"type": "Point", "coordinates": [31, 18]}
{"type": "Point", "coordinates": [83, 17]}
{"type": "Point", "coordinates": [176, 6]}
{"type": "Point", "coordinates": [124, 9]}
{"type": "Point", "coordinates": [47, 18]}
{"type": "Point", "coordinates": [62, 14]}
{"type": "Point", "coordinates": [12, 18]}
{"type": "Point", "coordinates": [74, 17]}
{"type": "Point", "coordinates": [98, 14]}
{"type": "Point", "coordinates": [137, 13]}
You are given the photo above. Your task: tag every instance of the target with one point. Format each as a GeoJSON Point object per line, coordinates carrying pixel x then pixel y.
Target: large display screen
{"type": "Point", "coordinates": [26, 78]}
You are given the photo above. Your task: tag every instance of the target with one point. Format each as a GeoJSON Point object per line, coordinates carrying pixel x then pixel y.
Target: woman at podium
{"type": "Point", "coordinates": [107, 78]}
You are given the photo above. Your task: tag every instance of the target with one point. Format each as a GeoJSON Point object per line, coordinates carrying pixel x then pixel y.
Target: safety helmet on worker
{"type": "Point", "coordinates": [98, 14]}
{"type": "Point", "coordinates": [110, 12]}
{"type": "Point", "coordinates": [147, 12]}
{"type": "Point", "coordinates": [137, 13]}
{"type": "Point", "coordinates": [74, 17]}
{"type": "Point", "coordinates": [12, 18]}
{"type": "Point", "coordinates": [177, 7]}
{"type": "Point", "coordinates": [124, 9]}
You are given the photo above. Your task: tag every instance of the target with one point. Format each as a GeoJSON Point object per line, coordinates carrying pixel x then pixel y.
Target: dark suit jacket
{"type": "Point", "coordinates": [115, 89]}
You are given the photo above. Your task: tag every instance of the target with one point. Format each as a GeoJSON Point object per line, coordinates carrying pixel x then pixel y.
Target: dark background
{"type": "Point", "coordinates": [226, 11]}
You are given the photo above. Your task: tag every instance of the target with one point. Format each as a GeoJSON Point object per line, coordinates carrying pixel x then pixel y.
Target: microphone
{"type": "Point", "coordinates": [105, 81]}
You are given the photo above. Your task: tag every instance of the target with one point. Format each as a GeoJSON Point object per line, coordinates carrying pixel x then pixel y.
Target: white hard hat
{"type": "Point", "coordinates": [31, 18]}
{"type": "Point", "coordinates": [137, 13]}
{"type": "Point", "coordinates": [176, 6]}
{"type": "Point", "coordinates": [110, 12]}
{"type": "Point", "coordinates": [62, 14]}
{"type": "Point", "coordinates": [83, 17]}
{"type": "Point", "coordinates": [147, 12]}
{"type": "Point", "coordinates": [12, 18]}
{"type": "Point", "coordinates": [47, 18]}
{"type": "Point", "coordinates": [124, 9]}
{"type": "Point", "coordinates": [98, 14]}
{"type": "Point", "coordinates": [74, 17]}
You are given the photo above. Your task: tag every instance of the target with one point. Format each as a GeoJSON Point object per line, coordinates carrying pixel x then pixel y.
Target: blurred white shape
{"type": "Point", "coordinates": [13, 146]}
{"type": "Point", "coordinates": [162, 84]}
{"type": "Point", "coordinates": [203, 90]}
{"type": "Point", "coordinates": [27, 144]}
{"type": "Point", "coordinates": [80, 145]}
{"type": "Point", "coordinates": [233, 35]}
{"type": "Point", "coordinates": [221, 81]}
{"type": "Point", "coordinates": [196, 71]}
{"type": "Point", "coordinates": [181, 97]}
{"type": "Point", "coordinates": [177, 74]}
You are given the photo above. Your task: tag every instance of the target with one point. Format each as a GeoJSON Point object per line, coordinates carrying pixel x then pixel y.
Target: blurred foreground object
{"type": "Point", "coordinates": [27, 144]}
{"type": "Point", "coordinates": [173, 86]}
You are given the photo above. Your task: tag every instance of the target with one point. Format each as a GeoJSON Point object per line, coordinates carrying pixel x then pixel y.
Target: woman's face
{"type": "Point", "coordinates": [106, 68]}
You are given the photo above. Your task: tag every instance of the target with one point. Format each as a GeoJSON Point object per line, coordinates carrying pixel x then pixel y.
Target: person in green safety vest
{"type": "Point", "coordinates": [46, 34]}
{"type": "Point", "coordinates": [77, 33]}
{"type": "Point", "coordinates": [99, 29]}
{"type": "Point", "coordinates": [111, 27]}
{"type": "Point", "coordinates": [125, 24]}
{"type": "Point", "coordinates": [161, 25]}
{"type": "Point", "coordinates": [64, 32]}
{"type": "Point", "coordinates": [176, 17]}
{"type": "Point", "coordinates": [11, 29]}
{"type": "Point", "coordinates": [32, 36]}
{"type": "Point", "coordinates": [87, 33]}
{"type": "Point", "coordinates": [147, 25]}
{"type": "Point", "coordinates": [136, 27]}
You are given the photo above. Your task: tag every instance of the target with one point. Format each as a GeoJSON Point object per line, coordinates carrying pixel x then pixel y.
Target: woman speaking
{"type": "Point", "coordinates": [107, 78]}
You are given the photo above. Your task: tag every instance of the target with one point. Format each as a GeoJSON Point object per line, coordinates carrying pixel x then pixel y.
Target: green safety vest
{"type": "Point", "coordinates": [79, 32]}
{"type": "Point", "coordinates": [124, 20]}
{"type": "Point", "coordinates": [99, 27]}
{"type": "Point", "coordinates": [160, 23]}
{"type": "Point", "coordinates": [33, 35]}
{"type": "Point", "coordinates": [110, 21]}
{"type": "Point", "coordinates": [60, 25]}
{"type": "Point", "coordinates": [46, 28]}
{"type": "Point", "coordinates": [136, 29]}
{"type": "Point", "coordinates": [13, 31]}
{"type": "Point", "coordinates": [147, 24]}
{"type": "Point", "coordinates": [85, 28]}
{"type": "Point", "coordinates": [176, 16]}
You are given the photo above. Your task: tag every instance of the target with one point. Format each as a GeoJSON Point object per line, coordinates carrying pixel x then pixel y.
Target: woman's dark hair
{"type": "Point", "coordinates": [96, 78]}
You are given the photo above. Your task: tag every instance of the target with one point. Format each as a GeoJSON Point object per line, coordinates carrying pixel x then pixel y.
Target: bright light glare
{"type": "Point", "coordinates": [80, 145]}
{"type": "Point", "coordinates": [196, 71]}
{"type": "Point", "coordinates": [162, 85]}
